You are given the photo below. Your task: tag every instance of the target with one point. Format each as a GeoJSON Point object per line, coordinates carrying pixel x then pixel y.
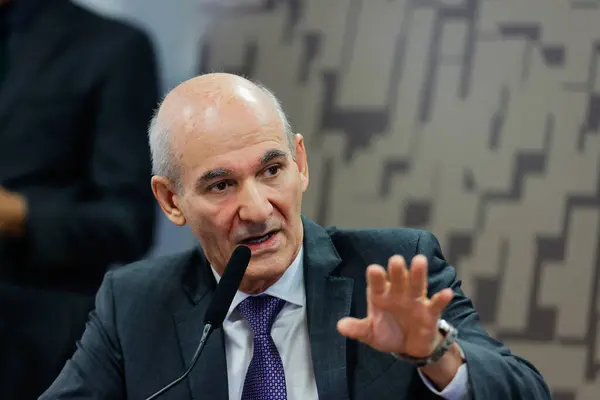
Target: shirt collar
{"type": "Point", "coordinates": [290, 287]}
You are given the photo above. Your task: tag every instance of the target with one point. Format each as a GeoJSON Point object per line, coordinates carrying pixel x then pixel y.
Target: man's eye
{"type": "Point", "coordinates": [273, 170]}
{"type": "Point", "coordinates": [219, 187]}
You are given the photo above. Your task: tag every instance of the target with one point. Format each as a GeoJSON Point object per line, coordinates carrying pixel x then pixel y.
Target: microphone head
{"type": "Point", "coordinates": [227, 287]}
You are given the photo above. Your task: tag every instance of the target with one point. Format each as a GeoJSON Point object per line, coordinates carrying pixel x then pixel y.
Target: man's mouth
{"type": "Point", "coordinates": [258, 239]}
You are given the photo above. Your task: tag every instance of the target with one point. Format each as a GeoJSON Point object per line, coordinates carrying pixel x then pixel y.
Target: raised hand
{"type": "Point", "coordinates": [400, 317]}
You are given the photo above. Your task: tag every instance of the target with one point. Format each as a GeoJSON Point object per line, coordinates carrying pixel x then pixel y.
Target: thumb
{"type": "Point", "coordinates": [354, 328]}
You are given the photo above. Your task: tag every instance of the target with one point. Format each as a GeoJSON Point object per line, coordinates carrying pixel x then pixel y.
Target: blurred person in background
{"type": "Point", "coordinates": [76, 93]}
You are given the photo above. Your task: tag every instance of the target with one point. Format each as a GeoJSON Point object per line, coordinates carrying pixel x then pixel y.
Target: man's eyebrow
{"type": "Point", "coordinates": [271, 155]}
{"type": "Point", "coordinates": [212, 175]}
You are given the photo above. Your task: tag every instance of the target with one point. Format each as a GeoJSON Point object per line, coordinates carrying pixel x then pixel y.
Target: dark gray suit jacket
{"type": "Point", "coordinates": [148, 320]}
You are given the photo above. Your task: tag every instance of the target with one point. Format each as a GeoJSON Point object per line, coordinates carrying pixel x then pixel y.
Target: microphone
{"type": "Point", "coordinates": [218, 307]}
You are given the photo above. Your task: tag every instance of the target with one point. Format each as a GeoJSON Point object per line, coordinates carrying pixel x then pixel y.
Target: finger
{"type": "Point", "coordinates": [354, 328]}
{"type": "Point", "coordinates": [398, 274]}
{"type": "Point", "coordinates": [376, 280]}
{"type": "Point", "coordinates": [440, 300]}
{"type": "Point", "coordinates": [418, 277]}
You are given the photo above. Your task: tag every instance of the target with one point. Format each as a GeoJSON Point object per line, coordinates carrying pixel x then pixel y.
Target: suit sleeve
{"type": "Point", "coordinates": [95, 371]}
{"type": "Point", "coordinates": [494, 372]}
{"type": "Point", "coordinates": [114, 225]}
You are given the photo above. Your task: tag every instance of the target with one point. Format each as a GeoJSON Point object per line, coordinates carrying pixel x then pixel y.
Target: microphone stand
{"type": "Point", "coordinates": [215, 314]}
{"type": "Point", "coordinates": [205, 334]}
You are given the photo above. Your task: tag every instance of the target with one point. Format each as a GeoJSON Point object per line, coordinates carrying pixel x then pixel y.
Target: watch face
{"type": "Point", "coordinates": [443, 325]}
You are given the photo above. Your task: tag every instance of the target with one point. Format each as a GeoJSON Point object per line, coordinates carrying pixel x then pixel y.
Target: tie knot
{"type": "Point", "coordinates": [260, 312]}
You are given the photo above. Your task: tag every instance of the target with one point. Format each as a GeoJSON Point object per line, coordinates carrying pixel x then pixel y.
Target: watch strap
{"type": "Point", "coordinates": [448, 332]}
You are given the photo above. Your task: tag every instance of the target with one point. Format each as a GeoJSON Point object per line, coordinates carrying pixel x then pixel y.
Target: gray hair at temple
{"type": "Point", "coordinates": [165, 162]}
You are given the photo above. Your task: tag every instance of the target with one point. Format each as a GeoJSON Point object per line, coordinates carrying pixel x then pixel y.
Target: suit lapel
{"type": "Point", "coordinates": [40, 40]}
{"type": "Point", "coordinates": [328, 299]}
{"type": "Point", "coordinates": [208, 379]}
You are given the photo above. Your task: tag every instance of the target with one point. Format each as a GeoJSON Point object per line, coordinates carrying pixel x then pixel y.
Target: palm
{"type": "Point", "coordinates": [400, 317]}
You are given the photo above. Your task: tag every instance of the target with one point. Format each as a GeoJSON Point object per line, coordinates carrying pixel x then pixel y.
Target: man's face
{"type": "Point", "coordinates": [242, 186]}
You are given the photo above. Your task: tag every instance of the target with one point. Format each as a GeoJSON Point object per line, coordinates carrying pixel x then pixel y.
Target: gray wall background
{"type": "Point", "coordinates": [478, 120]}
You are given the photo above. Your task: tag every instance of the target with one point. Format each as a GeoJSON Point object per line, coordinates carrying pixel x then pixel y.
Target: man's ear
{"type": "Point", "coordinates": [168, 200]}
{"type": "Point", "coordinates": [301, 160]}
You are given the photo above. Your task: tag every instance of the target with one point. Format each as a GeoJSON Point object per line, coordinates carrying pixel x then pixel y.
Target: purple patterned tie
{"type": "Point", "coordinates": [265, 379]}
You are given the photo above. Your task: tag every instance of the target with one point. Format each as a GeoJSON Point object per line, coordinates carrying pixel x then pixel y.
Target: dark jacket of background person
{"type": "Point", "coordinates": [77, 91]}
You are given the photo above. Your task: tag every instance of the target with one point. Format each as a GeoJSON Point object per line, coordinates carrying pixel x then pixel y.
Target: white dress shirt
{"type": "Point", "coordinates": [290, 334]}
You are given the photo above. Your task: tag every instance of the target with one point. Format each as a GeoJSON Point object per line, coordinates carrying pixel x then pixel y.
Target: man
{"type": "Point", "coordinates": [227, 164]}
{"type": "Point", "coordinates": [76, 94]}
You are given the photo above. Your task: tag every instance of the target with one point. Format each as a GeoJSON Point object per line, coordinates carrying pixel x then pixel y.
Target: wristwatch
{"type": "Point", "coordinates": [448, 332]}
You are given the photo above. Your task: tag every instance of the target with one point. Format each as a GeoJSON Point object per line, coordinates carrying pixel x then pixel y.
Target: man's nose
{"type": "Point", "coordinates": [254, 205]}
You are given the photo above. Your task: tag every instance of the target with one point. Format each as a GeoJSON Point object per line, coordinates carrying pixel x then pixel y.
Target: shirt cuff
{"type": "Point", "coordinates": [457, 389]}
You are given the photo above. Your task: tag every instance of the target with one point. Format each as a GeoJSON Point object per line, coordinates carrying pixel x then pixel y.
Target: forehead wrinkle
{"type": "Point", "coordinates": [227, 169]}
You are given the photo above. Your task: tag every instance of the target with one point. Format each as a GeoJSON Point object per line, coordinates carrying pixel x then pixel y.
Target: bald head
{"type": "Point", "coordinates": [200, 106]}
